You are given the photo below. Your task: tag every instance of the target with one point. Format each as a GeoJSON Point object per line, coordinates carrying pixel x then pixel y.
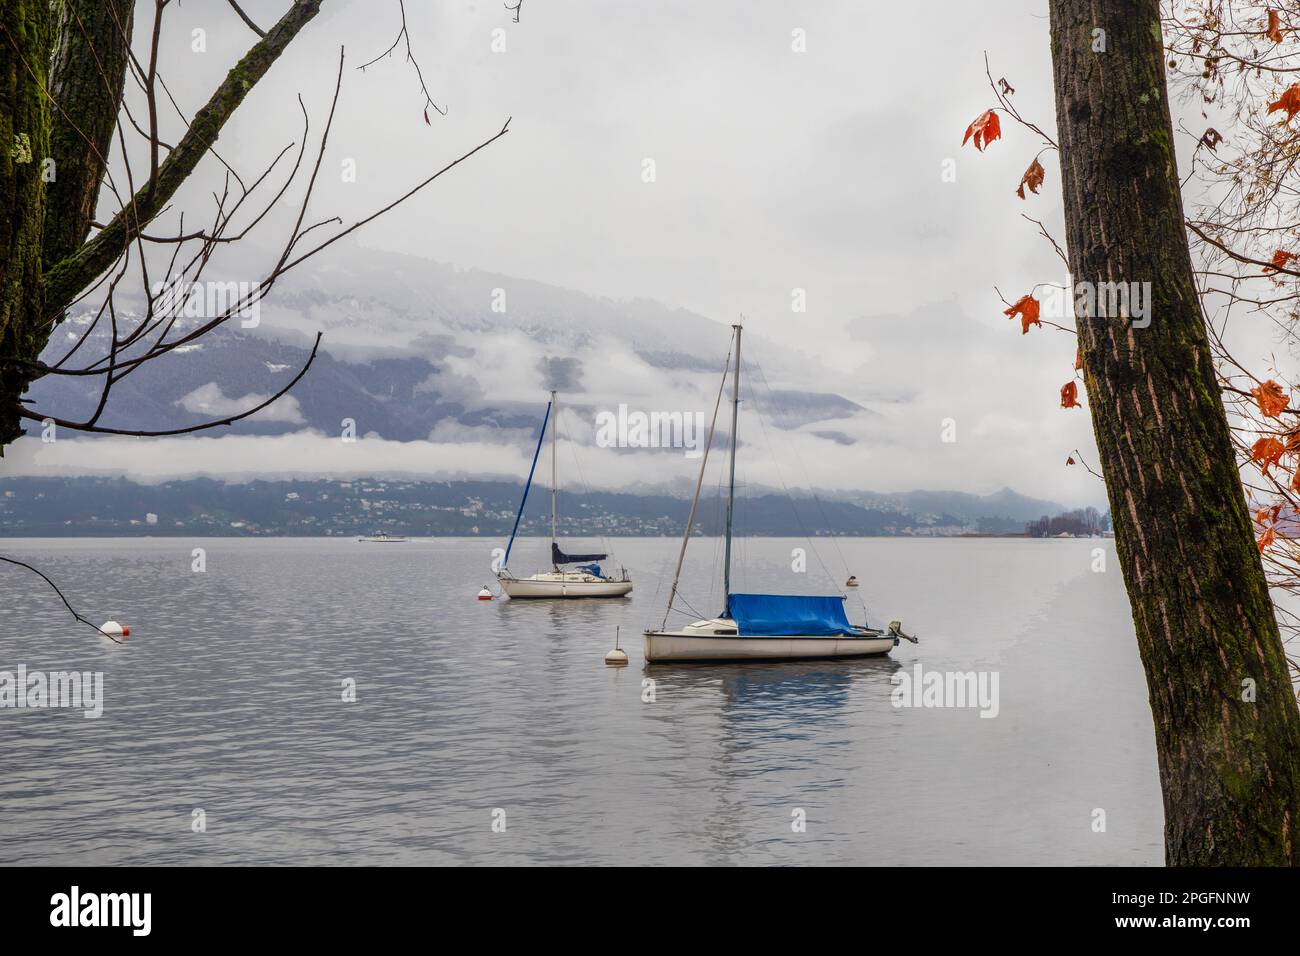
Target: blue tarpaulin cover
{"type": "Point", "coordinates": [789, 614]}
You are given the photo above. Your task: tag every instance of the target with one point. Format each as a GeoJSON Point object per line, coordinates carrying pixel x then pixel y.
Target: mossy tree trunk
{"type": "Point", "coordinates": [26, 32]}
{"type": "Point", "coordinates": [1226, 720]}
{"type": "Point", "coordinates": [87, 74]}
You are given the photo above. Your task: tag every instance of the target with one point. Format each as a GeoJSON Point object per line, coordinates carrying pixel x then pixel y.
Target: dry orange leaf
{"type": "Point", "coordinates": [1281, 259]}
{"type": "Point", "coordinates": [1265, 540]}
{"type": "Point", "coordinates": [1289, 101]}
{"type": "Point", "coordinates": [1027, 308]}
{"type": "Point", "coordinates": [1070, 395]}
{"type": "Point", "coordinates": [1267, 515]}
{"type": "Point", "coordinates": [1033, 178]}
{"type": "Point", "coordinates": [1070, 460]}
{"type": "Point", "coordinates": [1271, 399]}
{"type": "Point", "coordinates": [986, 127]}
{"type": "Point", "coordinates": [1078, 360]}
{"type": "Point", "coordinates": [1274, 27]}
{"type": "Point", "coordinates": [1266, 452]}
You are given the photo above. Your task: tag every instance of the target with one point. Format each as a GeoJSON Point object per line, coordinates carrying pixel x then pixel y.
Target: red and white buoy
{"type": "Point", "coordinates": [485, 595]}
{"type": "Point", "coordinates": [114, 630]}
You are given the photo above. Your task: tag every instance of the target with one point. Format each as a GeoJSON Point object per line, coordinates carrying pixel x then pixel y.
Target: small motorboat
{"type": "Point", "coordinates": [383, 537]}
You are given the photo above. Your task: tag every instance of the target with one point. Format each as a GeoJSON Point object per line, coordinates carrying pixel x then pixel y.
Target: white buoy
{"type": "Point", "coordinates": [114, 630]}
{"type": "Point", "coordinates": [617, 657]}
{"type": "Point", "coordinates": [485, 595]}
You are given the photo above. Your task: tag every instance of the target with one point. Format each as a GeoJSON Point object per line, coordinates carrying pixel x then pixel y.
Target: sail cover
{"type": "Point", "coordinates": [559, 557]}
{"type": "Point", "coordinates": [789, 614]}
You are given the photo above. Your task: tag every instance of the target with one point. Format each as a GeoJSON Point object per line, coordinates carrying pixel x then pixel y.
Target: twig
{"type": "Point", "coordinates": [71, 609]}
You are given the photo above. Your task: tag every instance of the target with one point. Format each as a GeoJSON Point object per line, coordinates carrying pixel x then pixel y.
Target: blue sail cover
{"type": "Point", "coordinates": [789, 614]}
{"type": "Point", "coordinates": [559, 557]}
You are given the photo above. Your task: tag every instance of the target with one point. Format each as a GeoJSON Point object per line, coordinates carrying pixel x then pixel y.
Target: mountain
{"type": "Point", "coordinates": [414, 345]}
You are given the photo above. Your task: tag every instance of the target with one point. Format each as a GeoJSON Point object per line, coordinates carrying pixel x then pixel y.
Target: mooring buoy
{"type": "Point", "coordinates": [617, 657]}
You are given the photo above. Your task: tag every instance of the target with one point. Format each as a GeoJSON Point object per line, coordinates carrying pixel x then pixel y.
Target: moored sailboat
{"type": "Point", "coordinates": [571, 575]}
{"type": "Point", "coordinates": [759, 626]}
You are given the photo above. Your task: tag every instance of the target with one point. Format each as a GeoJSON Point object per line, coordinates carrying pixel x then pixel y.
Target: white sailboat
{"type": "Point", "coordinates": [760, 626]}
{"type": "Point", "coordinates": [571, 575]}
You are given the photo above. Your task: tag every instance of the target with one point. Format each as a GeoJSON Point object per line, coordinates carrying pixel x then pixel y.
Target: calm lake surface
{"type": "Point", "coordinates": [227, 698]}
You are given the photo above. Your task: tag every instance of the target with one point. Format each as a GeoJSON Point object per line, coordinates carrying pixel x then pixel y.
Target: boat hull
{"type": "Point", "coordinates": [537, 587]}
{"type": "Point", "coordinates": [663, 646]}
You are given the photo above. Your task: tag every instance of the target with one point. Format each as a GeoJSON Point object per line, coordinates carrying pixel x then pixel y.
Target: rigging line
{"type": "Point", "coordinates": [586, 489]}
{"type": "Point", "coordinates": [786, 488]}
{"type": "Point", "coordinates": [527, 485]}
{"type": "Point", "coordinates": [816, 498]}
{"type": "Point", "coordinates": [698, 616]}
{"type": "Point", "coordinates": [699, 483]}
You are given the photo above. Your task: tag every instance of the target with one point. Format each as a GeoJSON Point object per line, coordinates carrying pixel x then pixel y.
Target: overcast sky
{"type": "Point", "coordinates": [775, 170]}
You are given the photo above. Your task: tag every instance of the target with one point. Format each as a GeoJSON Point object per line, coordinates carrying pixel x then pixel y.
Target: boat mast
{"type": "Point", "coordinates": [731, 483]}
{"type": "Point", "coordinates": [554, 487]}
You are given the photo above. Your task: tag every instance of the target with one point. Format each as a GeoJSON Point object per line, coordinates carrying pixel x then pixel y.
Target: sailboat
{"type": "Point", "coordinates": [571, 575]}
{"type": "Point", "coordinates": [760, 626]}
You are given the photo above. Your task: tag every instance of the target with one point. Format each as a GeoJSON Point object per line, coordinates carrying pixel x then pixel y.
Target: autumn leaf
{"type": "Point", "coordinates": [1070, 460]}
{"type": "Point", "coordinates": [1069, 395]}
{"type": "Point", "coordinates": [1289, 101]}
{"type": "Point", "coordinates": [1078, 360]}
{"type": "Point", "coordinates": [1274, 31]}
{"type": "Point", "coordinates": [1266, 452]}
{"type": "Point", "coordinates": [1027, 308]}
{"type": "Point", "coordinates": [1033, 178]}
{"type": "Point", "coordinates": [987, 127]}
{"type": "Point", "coordinates": [1267, 515]}
{"type": "Point", "coordinates": [426, 117]}
{"type": "Point", "coordinates": [1211, 139]}
{"type": "Point", "coordinates": [1271, 399]}
{"type": "Point", "coordinates": [1281, 260]}
{"type": "Point", "coordinates": [1266, 539]}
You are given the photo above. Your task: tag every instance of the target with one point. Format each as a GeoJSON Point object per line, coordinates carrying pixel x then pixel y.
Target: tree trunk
{"type": "Point", "coordinates": [93, 42]}
{"type": "Point", "coordinates": [25, 37]}
{"type": "Point", "coordinates": [1226, 720]}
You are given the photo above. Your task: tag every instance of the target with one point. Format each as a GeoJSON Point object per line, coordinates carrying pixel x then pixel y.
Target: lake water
{"type": "Point", "coordinates": [228, 698]}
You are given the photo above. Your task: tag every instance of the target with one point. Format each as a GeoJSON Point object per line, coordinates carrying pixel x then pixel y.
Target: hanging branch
{"type": "Point", "coordinates": [73, 611]}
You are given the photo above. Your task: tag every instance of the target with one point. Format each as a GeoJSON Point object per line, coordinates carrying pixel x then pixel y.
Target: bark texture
{"type": "Point", "coordinates": [89, 68]}
{"type": "Point", "coordinates": [1229, 765]}
{"type": "Point", "coordinates": [26, 31]}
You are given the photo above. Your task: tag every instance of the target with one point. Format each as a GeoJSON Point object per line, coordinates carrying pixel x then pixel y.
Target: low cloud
{"type": "Point", "coordinates": [210, 402]}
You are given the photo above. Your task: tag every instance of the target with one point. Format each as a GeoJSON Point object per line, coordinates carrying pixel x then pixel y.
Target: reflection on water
{"type": "Point", "coordinates": [229, 698]}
